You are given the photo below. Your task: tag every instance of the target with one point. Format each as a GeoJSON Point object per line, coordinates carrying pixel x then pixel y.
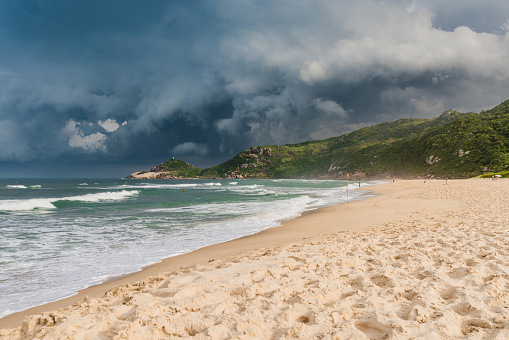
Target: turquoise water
{"type": "Point", "coordinates": [59, 236]}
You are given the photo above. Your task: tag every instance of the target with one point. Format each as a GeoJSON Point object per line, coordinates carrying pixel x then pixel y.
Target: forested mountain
{"type": "Point", "coordinates": [453, 145]}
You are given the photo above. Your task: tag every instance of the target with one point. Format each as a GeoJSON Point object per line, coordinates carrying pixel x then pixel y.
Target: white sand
{"type": "Point", "coordinates": [438, 271]}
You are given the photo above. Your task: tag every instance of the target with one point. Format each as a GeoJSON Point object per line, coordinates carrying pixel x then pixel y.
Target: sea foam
{"type": "Point", "coordinates": [47, 203]}
{"type": "Point", "coordinates": [16, 186]}
{"type": "Point", "coordinates": [57, 237]}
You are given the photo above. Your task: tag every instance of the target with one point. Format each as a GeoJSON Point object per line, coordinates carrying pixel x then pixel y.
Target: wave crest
{"type": "Point", "coordinates": [47, 203]}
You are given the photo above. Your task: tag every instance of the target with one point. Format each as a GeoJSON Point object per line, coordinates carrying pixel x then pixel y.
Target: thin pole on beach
{"type": "Point", "coordinates": [347, 174]}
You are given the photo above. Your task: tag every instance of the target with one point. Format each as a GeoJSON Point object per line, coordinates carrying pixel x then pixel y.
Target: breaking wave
{"type": "Point", "coordinates": [47, 203]}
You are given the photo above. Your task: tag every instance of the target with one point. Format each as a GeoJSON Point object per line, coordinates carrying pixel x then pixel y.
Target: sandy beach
{"type": "Point", "coordinates": [421, 260]}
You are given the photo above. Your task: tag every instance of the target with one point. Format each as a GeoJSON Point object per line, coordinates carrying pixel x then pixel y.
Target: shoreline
{"type": "Point", "coordinates": [202, 255]}
{"type": "Point", "coordinates": [423, 260]}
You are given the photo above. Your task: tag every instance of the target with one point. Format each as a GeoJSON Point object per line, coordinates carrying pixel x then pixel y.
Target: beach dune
{"type": "Point", "coordinates": [421, 260]}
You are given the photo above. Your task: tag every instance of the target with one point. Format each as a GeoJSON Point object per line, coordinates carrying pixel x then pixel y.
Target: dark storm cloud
{"type": "Point", "coordinates": [92, 82]}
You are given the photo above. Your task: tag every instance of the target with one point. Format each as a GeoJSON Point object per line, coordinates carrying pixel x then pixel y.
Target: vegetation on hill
{"type": "Point", "coordinates": [454, 145]}
{"type": "Point", "coordinates": [177, 168]}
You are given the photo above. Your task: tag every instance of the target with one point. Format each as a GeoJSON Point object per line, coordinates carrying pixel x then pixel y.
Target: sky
{"type": "Point", "coordinates": [106, 88]}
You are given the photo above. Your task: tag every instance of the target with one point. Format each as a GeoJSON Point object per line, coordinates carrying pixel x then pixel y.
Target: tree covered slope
{"type": "Point", "coordinates": [454, 145]}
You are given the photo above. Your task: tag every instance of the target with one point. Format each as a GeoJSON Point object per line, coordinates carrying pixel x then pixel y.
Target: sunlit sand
{"type": "Point", "coordinates": [420, 260]}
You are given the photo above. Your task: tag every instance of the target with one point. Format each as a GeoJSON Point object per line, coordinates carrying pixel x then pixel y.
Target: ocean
{"type": "Point", "coordinates": [58, 236]}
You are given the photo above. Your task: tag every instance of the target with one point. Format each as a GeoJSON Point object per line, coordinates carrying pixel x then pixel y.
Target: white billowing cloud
{"type": "Point", "coordinates": [314, 71]}
{"type": "Point", "coordinates": [480, 16]}
{"type": "Point", "coordinates": [77, 138]}
{"type": "Point", "coordinates": [412, 6]}
{"type": "Point", "coordinates": [387, 41]}
{"type": "Point", "coordinates": [191, 148]}
{"type": "Point", "coordinates": [109, 125]}
{"type": "Point", "coordinates": [329, 107]}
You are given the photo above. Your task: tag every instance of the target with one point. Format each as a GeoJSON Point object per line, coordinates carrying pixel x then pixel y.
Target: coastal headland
{"type": "Point", "coordinates": [452, 145]}
{"type": "Point", "coordinates": [421, 259]}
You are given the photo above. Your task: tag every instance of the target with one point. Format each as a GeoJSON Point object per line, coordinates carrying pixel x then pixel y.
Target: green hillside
{"type": "Point", "coordinates": [454, 145]}
{"type": "Point", "coordinates": [177, 168]}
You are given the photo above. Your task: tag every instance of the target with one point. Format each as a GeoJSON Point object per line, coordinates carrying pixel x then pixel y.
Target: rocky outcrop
{"type": "Point", "coordinates": [238, 175]}
{"type": "Point", "coordinates": [144, 174]}
{"type": "Point", "coordinates": [257, 151]}
{"type": "Point", "coordinates": [157, 168]}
